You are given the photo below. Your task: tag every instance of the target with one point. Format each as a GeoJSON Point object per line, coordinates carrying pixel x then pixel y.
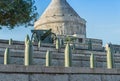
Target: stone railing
{"type": "Point", "coordinates": [80, 58]}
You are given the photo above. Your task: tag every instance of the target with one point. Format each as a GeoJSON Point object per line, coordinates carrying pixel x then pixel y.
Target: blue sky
{"type": "Point", "coordinates": [102, 16]}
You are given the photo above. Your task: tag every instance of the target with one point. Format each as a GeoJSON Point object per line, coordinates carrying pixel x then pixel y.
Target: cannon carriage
{"type": "Point", "coordinates": [46, 36]}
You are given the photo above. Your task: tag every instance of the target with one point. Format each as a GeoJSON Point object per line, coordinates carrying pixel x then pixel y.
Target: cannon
{"type": "Point", "coordinates": [46, 36]}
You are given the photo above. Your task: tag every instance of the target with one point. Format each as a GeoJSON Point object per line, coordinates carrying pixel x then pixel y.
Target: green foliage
{"type": "Point", "coordinates": [17, 12]}
{"type": "Point", "coordinates": [70, 39]}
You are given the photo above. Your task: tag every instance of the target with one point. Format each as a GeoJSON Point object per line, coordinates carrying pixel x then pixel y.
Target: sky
{"type": "Point", "coordinates": [102, 16]}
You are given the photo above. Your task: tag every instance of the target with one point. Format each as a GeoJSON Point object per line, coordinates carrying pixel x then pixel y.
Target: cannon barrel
{"type": "Point", "coordinates": [42, 35]}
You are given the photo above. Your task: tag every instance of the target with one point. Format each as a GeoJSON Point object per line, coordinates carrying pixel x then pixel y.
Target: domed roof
{"type": "Point", "coordinates": [59, 11]}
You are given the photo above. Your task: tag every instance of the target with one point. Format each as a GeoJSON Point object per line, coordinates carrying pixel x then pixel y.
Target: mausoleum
{"type": "Point", "coordinates": [64, 21]}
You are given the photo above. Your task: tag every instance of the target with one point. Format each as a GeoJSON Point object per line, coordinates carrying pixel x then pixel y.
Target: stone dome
{"type": "Point", "coordinates": [62, 19]}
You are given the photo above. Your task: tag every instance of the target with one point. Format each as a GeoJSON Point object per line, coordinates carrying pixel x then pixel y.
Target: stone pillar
{"type": "Point", "coordinates": [28, 56]}
{"type": "Point", "coordinates": [110, 56]}
{"type": "Point", "coordinates": [92, 61]}
{"type": "Point", "coordinates": [48, 58]}
{"type": "Point", "coordinates": [7, 56]}
{"type": "Point", "coordinates": [68, 56]}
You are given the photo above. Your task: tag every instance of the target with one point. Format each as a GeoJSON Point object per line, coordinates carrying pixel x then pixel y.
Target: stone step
{"type": "Point", "coordinates": [57, 59]}
{"type": "Point", "coordinates": [61, 51]}
{"type": "Point", "coordinates": [79, 46]}
{"type": "Point", "coordinates": [43, 44]}
{"type": "Point", "coordinates": [80, 56]}
{"type": "Point", "coordinates": [54, 52]}
{"type": "Point", "coordinates": [56, 55]}
{"type": "Point", "coordinates": [50, 48]}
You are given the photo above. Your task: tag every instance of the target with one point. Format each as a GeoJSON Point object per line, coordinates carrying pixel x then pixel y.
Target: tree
{"type": "Point", "coordinates": [17, 12]}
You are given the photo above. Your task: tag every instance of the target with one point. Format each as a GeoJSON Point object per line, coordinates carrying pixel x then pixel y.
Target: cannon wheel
{"type": "Point", "coordinates": [54, 37]}
{"type": "Point", "coordinates": [35, 37]}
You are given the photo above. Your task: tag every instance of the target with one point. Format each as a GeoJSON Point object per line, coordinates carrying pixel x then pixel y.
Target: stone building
{"type": "Point", "coordinates": [64, 21]}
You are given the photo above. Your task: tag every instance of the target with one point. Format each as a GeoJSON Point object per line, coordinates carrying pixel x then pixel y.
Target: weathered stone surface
{"type": "Point", "coordinates": [49, 77]}
{"type": "Point", "coordinates": [85, 77]}
{"type": "Point", "coordinates": [117, 65]}
{"type": "Point", "coordinates": [110, 78]}
{"type": "Point", "coordinates": [38, 73]}
{"type": "Point", "coordinates": [13, 77]}
{"type": "Point", "coordinates": [57, 77]}
{"type": "Point", "coordinates": [1, 60]}
{"type": "Point", "coordinates": [16, 60]}
{"type": "Point", "coordinates": [85, 63]}
{"type": "Point", "coordinates": [39, 61]}
{"type": "Point", "coordinates": [56, 70]}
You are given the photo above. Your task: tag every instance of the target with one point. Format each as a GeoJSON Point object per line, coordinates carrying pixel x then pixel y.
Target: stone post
{"type": "Point", "coordinates": [92, 61]}
{"type": "Point", "coordinates": [6, 56]}
{"type": "Point", "coordinates": [10, 41]}
{"type": "Point", "coordinates": [110, 55]}
{"type": "Point", "coordinates": [39, 44]}
{"type": "Point", "coordinates": [48, 58]}
{"type": "Point", "coordinates": [28, 59]}
{"type": "Point", "coordinates": [68, 56]}
{"type": "Point", "coordinates": [26, 39]}
{"type": "Point", "coordinates": [57, 43]}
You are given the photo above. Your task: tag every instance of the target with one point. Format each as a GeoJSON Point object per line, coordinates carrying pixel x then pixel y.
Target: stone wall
{"type": "Point", "coordinates": [38, 73]}
{"type": "Point", "coordinates": [116, 48]}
